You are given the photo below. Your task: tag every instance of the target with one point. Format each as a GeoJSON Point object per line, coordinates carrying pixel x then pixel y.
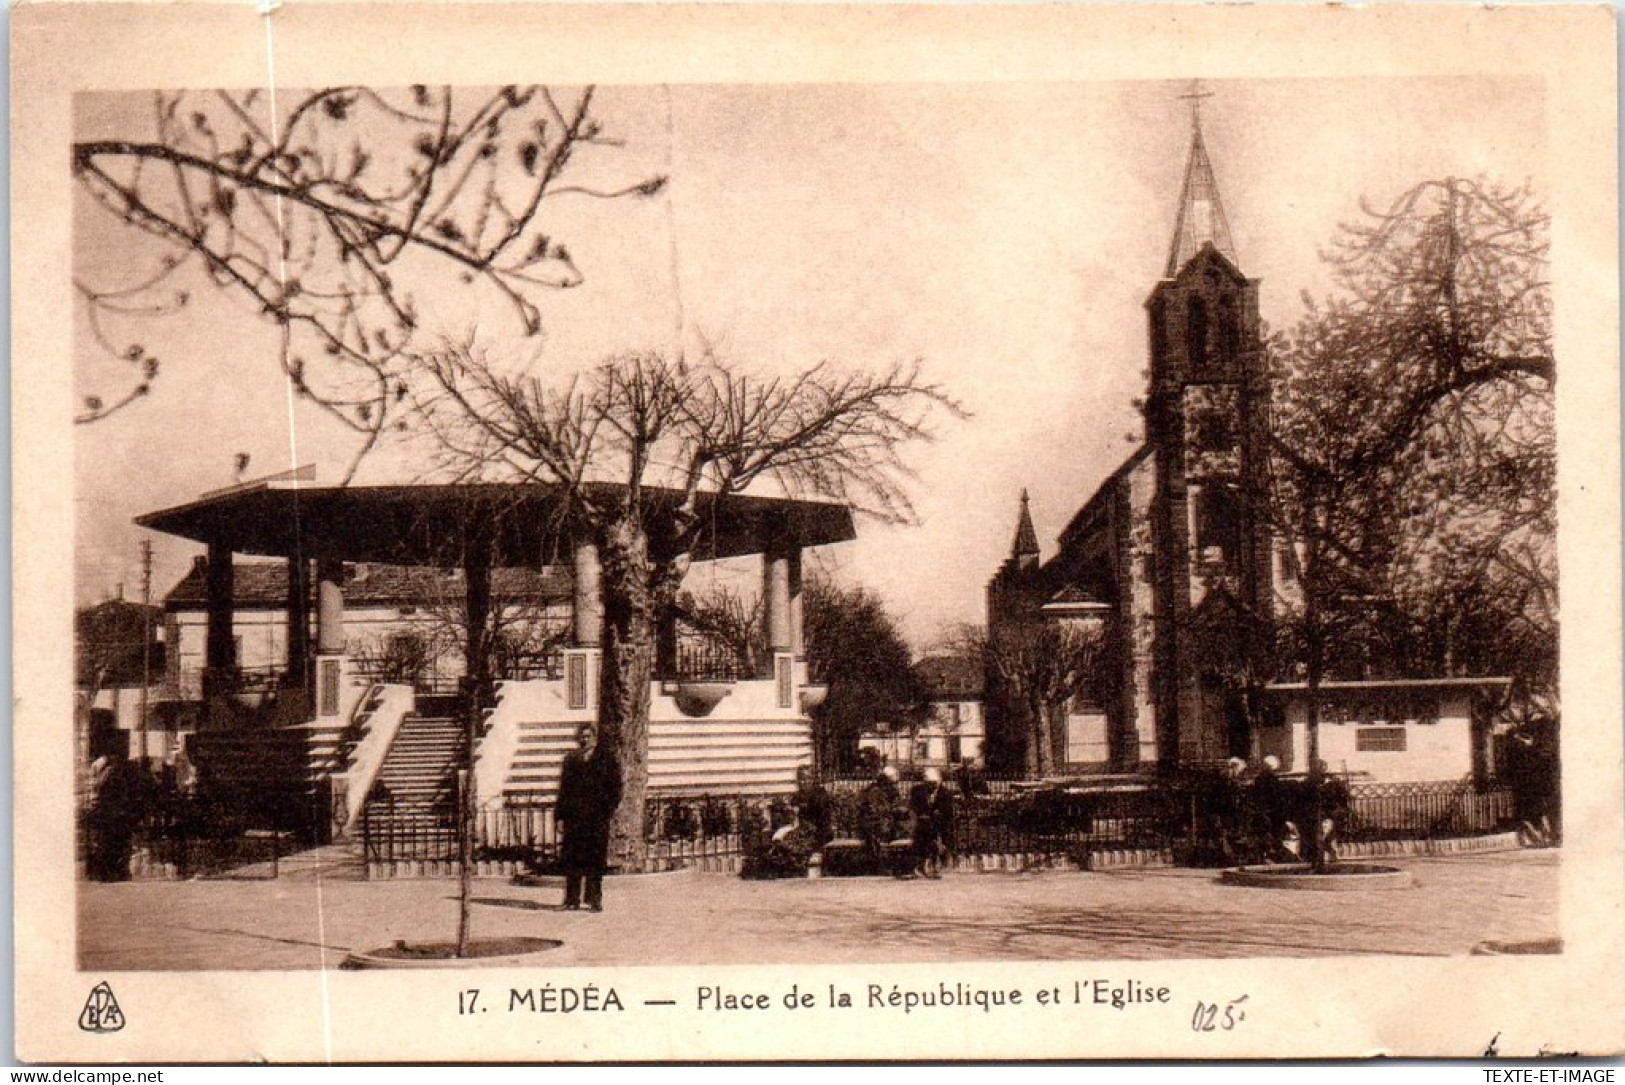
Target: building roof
{"type": "Point", "coordinates": [1097, 500]}
{"type": "Point", "coordinates": [1075, 598]}
{"type": "Point", "coordinates": [528, 524]}
{"type": "Point", "coordinates": [264, 584]}
{"type": "Point", "coordinates": [1201, 219]}
{"type": "Point", "coordinates": [950, 678]}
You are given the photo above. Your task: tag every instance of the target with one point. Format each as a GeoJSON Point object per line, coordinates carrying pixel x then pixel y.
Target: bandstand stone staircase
{"type": "Point", "coordinates": [416, 785]}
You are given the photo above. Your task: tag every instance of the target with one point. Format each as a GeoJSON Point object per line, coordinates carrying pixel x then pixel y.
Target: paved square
{"type": "Point", "coordinates": [693, 918]}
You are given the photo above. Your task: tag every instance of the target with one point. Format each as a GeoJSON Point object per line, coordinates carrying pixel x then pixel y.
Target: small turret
{"type": "Point", "coordinates": [1024, 550]}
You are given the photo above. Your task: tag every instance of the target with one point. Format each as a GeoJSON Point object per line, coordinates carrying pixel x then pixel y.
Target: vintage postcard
{"type": "Point", "coordinates": [579, 533]}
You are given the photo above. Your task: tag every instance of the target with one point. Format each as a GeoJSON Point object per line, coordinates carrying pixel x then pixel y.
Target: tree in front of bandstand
{"type": "Point", "coordinates": [669, 433]}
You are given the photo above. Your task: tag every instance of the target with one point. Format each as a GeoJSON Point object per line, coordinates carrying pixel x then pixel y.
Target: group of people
{"type": "Point", "coordinates": [884, 815]}
{"type": "Point", "coordinates": [926, 817]}
{"type": "Point", "coordinates": [125, 797]}
{"type": "Point", "coordinates": [1259, 816]}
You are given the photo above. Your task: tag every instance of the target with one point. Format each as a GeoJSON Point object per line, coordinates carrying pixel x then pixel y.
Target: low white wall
{"type": "Point", "coordinates": [746, 744]}
{"type": "Point", "coordinates": [1434, 750]}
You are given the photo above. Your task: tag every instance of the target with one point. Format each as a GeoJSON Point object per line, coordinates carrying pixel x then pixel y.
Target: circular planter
{"type": "Point", "coordinates": [699, 698]}
{"type": "Point", "coordinates": [813, 695]}
{"type": "Point", "coordinates": [487, 952]}
{"type": "Point", "coordinates": [1337, 878]}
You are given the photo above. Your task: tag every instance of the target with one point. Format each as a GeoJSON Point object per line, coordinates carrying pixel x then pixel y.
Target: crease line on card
{"type": "Point", "coordinates": [266, 9]}
{"type": "Point", "coordinates": [679, 313]}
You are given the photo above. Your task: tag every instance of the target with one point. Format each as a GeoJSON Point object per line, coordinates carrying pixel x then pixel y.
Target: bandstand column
{"type": "Point", "coordinates": [587, 628]}
{"type": "Point", "coordinates": [587, 610]}
{"type": "Point", "coordinates": [778, 618]}
{"type": "Point", "coordinates": [329, 635]}
{"type": "Point", "coordinates": [330, 607]}
{"type": "Point", "coordinates": [298, 658]}
{"type": "Point", "coordinates": [798, 640]}
{"type": "Point", "coordinates": [776, 599]}
{"type": "Point", "coordinates": [477, 613]}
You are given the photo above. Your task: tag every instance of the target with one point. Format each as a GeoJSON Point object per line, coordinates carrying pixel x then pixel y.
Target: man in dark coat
{"type": "Point", "coordinates": [118, 806]}
{"type": "Point", "coordinates": [589, 789]}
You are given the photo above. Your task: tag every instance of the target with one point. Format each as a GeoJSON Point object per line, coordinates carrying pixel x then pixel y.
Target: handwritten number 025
{"type": "Point", "coordinates": [1210, 1017]}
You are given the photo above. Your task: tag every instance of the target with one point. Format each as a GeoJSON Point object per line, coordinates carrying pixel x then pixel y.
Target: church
{"type": "Point", "coordinates": [1170, 579]}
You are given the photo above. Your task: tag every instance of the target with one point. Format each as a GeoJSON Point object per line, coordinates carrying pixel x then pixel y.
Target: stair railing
{"type": "Point", "coordinates": [376, 725]}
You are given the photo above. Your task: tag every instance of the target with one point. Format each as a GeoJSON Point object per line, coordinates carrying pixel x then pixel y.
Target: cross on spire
{"type": "Point", "coordinates": [1201, 217]}
{"type": "Point", "coordinates": [1194, 96]}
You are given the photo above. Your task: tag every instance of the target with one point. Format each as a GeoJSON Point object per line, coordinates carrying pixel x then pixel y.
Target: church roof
{"type": "Point", "coordinates": [1075, 598]}
{"type": "Point", "coordinates": [1092, 508]}
{"type": "Point", "coordinates": [1200, 220]}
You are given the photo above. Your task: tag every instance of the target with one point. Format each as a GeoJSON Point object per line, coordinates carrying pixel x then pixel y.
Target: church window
{"type": "Point", "coordinates": [1229, 330]}
{"type": "Point", "coordinates": [1218, 520]}
{"type": "Point", "coordinates": [1159, 334]}
{"type": "Point", "coordinates": [1196, 333]}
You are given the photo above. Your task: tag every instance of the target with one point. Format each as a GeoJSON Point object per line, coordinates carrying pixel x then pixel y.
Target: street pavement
{"type": "Point", "coordinates": [691, 918]}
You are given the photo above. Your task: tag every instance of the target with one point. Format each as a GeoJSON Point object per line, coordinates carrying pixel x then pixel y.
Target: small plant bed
{"type": "Point", "coordinates": [486, 951]}
{"type": "Point", "coordinates": [1335, 878]}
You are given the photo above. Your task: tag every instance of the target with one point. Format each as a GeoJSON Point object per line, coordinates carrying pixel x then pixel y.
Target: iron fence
{"type": "Point", "coordinates": [183, 839]}
{"type": "Point", "coordinates": [712, 832]}
{"type": "Point", "coordinates": [1426, 811]}
{"type": "Point", "coordinates": [1195, 823]}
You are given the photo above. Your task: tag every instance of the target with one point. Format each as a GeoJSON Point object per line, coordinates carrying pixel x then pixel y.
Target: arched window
{"type": "Point", "coordinates": [1196, 333]}
{"type": "Point", "coordinates": [1229, 330]}
{"type": "Point", "coordinates": [1218, 522]}
{"type": "Point", "coordinates": [1159, 334]}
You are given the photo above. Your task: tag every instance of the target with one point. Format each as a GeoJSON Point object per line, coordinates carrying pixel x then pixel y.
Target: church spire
{"type": "Point", "coordinates": [1026, 543]}
{"type": "Point", "coordinates": [1201, 215]}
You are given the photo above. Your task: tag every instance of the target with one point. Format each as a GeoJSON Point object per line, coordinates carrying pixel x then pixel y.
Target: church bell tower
{"type": "Point", "coordinates": [1207, 422]}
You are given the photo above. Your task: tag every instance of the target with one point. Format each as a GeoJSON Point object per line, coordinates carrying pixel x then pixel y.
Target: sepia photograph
{"type": "Point", "coordinates": [1068, 555]}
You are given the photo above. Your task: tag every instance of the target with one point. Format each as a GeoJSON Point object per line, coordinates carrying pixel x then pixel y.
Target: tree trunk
{"type": "Point", "coordinates": [477, 615]}
{"type": "Point", "coordinates": [1039, 744]}
{"type": "Point", "coordinates": [628, 667]}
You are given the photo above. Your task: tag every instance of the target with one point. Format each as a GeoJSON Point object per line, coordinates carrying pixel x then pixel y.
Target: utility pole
{"type": "Point", "coordinates": [146, 640]}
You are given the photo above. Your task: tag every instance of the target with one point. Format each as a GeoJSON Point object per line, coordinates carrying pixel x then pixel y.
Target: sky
{"type": "Point", "coordinates": [1004, 235]}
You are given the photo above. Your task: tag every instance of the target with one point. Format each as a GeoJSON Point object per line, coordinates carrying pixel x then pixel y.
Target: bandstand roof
{"type": "Point", "coordinates": [425, 524]}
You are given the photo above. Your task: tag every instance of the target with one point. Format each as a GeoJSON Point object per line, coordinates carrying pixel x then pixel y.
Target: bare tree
{"type": "Point", "coordinates": [1035, 668]}
{"type": "Point", "coordinates": [669, 431]}
{"type": "Point", "coordinates": [330, 212]}
{"type": "Point", "coordinates": [1413, 452]}
{"type": "Point", "coordinates": [524, 630]}
{"type": "Point", "coordinates": [728, 617]}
